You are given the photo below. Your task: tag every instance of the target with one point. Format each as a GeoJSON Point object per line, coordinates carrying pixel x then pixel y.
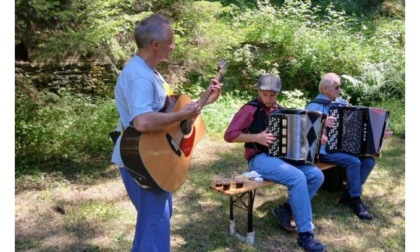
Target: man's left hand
{"type": "Point", "coordinates": [216, 90]}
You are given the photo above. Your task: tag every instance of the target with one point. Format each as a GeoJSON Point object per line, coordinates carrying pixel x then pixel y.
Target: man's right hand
{"type": "Point", "coordinates": [265, 138]}
{"type": "Point", "coordinates": [324, 139]}
{"type": "Point", "coordinates": [330, 121]}
{"type": "Point", "coordinates": [191, 110]}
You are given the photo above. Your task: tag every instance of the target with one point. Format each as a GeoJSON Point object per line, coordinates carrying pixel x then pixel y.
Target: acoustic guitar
{"type": "Point", "coordinates": [161, 159]}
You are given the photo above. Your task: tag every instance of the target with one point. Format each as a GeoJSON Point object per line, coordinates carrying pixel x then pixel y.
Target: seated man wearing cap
{"type": "Point", "coordinates": [249, 126]}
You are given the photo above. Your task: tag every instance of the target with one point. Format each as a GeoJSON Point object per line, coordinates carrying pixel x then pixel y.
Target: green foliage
{"type": "Point", "coordinates": [65, 132]}
{"type": "Point", "coordinates": [378, 82]}
{"type": "Point", "coordinates": [368, 8]}
{"type": "Point", "coordinates": [218, 115]}
{"type": "Point", "coordinates": [202, 37]}
{"type": "Point", "coordinates": [298, 40]}
{"type": "Point", "coordinates": [397, 114]}
{"type": "Point", "coordinates": [301, 42]}
{"type": "Point", "coordinates": [293, 99]}
{"type": "Point", "coordinates": [78, 30]}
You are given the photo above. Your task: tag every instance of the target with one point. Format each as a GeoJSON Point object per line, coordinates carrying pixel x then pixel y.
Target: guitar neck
{"type": "Point", "coordinates": [205, 96]}
{"type": "Point", "coordinates": [202, 102]}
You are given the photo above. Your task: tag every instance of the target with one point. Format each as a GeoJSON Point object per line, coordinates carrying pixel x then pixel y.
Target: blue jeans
{"type": "Point", "coordinates": [357, 169]}
{"type": "Point", "coordinates": [302, 181]}
{"type": "Point", "coordinates": [154, 211]}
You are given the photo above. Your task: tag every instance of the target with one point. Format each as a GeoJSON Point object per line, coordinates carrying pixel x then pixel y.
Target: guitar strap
{"type": "Point", "coordinates": [117, 132]}
{"type": "Point", "coordinates": [167, 88]}
{"type": "Point", "coordinates": [163, 109]}
{"type": "Point", "coordinates": [169, 92]}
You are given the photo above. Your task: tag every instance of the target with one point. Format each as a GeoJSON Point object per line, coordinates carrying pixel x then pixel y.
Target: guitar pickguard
{"type": "Point", "coordinates": [187, 143]}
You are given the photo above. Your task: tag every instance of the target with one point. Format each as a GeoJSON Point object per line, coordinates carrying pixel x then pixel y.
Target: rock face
{"type": "Point", "coordinates": [86, 78]}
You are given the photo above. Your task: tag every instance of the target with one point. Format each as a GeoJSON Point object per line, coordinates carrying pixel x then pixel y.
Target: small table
{"type": "Point", "coordinates": [238, 199]}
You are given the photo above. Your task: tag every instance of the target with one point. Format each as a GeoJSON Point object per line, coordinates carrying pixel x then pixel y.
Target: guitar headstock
{"type": "Point", "coordinates": [221, 68]}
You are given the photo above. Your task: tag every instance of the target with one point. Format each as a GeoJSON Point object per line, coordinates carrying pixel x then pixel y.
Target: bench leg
{"type": "Point", "coordinates": [249, 207]}
{"type": "Point", "coordinates": [232, 228]}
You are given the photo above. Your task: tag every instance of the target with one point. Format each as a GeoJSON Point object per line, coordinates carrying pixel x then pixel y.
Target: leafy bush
{"type": "Point", "coordinates": [397, 115]}
{"type": "Point", "coordinates": [293, 99]}
{"type": "Point", "coordinates": [301, 42]}
{"type": "Point", "coordinates": [61, 31]}
{"type": "Point", "coordinates": [66, 132]}
{"type": "Point", "coordinates": [377, 83]}
{"type": "Point", "coordinates": [218, 115]}
{"type": "Point", "coordinates": [368, 8]}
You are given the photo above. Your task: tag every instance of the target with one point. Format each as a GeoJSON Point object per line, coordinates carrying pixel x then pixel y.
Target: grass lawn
{"type": "Point", "coordinates": [95, 214]}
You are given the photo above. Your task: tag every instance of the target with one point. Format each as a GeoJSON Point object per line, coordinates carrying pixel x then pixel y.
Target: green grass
{"type": "Point", "coordinates": [99, 217]}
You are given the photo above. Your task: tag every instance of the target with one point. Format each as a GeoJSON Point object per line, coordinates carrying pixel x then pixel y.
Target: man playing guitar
{"type": "Point", "coordinates": [140, 95]}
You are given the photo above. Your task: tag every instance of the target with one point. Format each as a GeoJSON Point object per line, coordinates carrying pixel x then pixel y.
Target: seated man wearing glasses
{"type": "Point", "coordinates": [357, 168]}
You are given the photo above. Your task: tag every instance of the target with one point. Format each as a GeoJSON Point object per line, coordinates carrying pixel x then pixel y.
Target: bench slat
{"type": "Point", "coordinates": [249, 185]}
{"type": "Point", "coordinates": [324, 166]}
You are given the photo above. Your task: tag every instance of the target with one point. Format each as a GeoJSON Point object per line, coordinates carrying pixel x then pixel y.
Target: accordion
{"type": "Point", "coordinates": [358, 130]}
{"type": "Point", "coordinates": [298, 134]}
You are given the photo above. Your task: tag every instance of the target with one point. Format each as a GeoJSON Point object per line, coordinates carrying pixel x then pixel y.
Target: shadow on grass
{"type": "Point", "coordinates": [207, 212]}
{"type": "Point", "coordinates": [74, 220]}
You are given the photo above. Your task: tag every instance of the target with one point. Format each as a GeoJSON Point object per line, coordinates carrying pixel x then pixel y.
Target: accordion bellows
{"type": "Point", "coordinates": [358, 130]}
{"type": "Point", "coordinates": [298, 133]}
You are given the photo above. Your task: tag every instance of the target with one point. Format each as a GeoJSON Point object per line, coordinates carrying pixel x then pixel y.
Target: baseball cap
{"type": "Point", "coordinates": [269, 83]}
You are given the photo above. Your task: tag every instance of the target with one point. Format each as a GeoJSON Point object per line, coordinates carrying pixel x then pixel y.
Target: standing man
{"type": "Point", "coordinates": [250, 126]}
{"type": "Point", "coordinates": [357, 168]}
{"type": "Point", "coordinates": [140, 94]}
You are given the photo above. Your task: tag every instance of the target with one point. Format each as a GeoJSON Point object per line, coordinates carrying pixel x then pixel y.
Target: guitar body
{"type": "Point", "coordinates": [162, 158]}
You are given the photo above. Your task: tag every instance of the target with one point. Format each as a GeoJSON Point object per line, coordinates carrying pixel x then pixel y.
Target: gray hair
{"type": "Point", "coordinates": [328, 80]}
{"type": "Point", "coordinates": [151, 28]}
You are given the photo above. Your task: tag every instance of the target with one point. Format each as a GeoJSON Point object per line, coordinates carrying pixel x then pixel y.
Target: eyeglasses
{"type": "Point", "coordinates": [337, 87]}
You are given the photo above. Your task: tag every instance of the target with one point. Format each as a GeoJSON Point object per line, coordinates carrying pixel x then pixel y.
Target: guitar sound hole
{"type": "Point", "coordinates": [185, 127]}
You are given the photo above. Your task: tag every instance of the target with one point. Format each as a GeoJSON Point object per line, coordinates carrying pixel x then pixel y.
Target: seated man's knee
{"type": "Point", "coordinates": [352, 161]}
{"type": "Point", "coordinates": [298, 177]}
{"type": "Point", "coordinates": [314, 175]}
{"type": "Point", "coordinates": [320, 176]}
{"type": "Point", "coordinates": [370, 162]}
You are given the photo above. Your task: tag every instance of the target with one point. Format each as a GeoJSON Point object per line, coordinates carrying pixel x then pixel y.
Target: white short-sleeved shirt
{"type": "Point", "coordinates": [139, 89]}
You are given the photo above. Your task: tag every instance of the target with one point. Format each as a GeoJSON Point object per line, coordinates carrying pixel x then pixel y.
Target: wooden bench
{"type": "Point", "coordinates": [244, 198]}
